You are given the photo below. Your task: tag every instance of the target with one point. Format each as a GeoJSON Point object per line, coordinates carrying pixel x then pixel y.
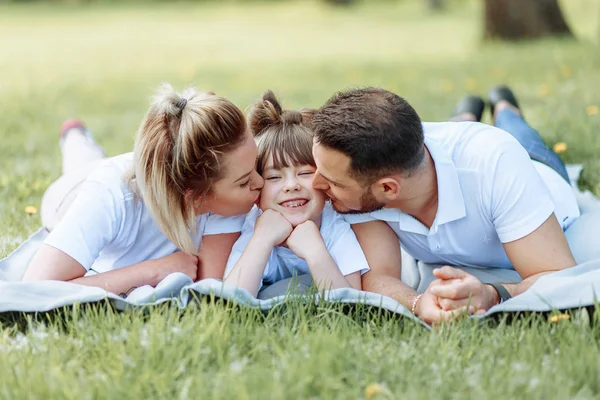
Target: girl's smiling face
{"type": "Point", "coordinates": [289, 191]}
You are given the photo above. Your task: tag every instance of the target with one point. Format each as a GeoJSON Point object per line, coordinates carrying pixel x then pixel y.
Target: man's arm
{"type": "Point", "coordinates": [382, 250]}
{"type": "Point", "coordinates": [543, 251]}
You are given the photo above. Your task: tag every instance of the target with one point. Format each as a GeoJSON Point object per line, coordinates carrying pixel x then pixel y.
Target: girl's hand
{"type": "Point", "coordinates": [176, 262]}
{"type": "Point", "coordinates": [272, 227]}
{"type": "Point", "coordinates": [306, 240]}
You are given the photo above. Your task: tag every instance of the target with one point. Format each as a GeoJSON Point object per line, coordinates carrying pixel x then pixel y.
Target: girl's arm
{"type": "Point", "coordinates": [50, 263]}
{"type": "Point", "coordinates": [249, 269]}
{"type": "Point", "coordinates": [271, 229]}
{"type": "Point", "coordinates": [307, 243]}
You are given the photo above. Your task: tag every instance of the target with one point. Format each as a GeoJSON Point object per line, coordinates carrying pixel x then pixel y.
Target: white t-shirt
{"type": "Point", "coordinates": [283, 263]}
{"type": "Point", "coordinates": [489, 192]}
{"type": "Point", "coordinates": [108, 227]}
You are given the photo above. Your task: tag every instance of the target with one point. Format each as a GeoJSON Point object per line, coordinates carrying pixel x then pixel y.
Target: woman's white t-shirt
{"type": "Point", "coordinates": [339, 240]}
{"type": "Point", "coordinates": [108, 226]}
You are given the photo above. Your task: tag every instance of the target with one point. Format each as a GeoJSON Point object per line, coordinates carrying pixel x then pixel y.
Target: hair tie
{"type": "Point", "coordinates": [181, 104]}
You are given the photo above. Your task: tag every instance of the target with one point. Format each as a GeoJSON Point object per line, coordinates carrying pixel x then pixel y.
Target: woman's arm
{"type": "Point", "coordinates": [214, 252]}
{"type": "Point", "coordinates": [50, 263]}
{"type": "Point", "coordinates": [354, 279]}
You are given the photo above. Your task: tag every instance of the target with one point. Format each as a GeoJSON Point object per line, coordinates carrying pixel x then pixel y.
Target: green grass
{"type": "Point", "coordinates": [216, 351]}
{"type": "Point", "coordinates": [100, 63]}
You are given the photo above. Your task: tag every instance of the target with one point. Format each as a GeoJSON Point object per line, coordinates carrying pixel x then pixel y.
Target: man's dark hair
{"type": "Point", "coordinates": [378, 130]}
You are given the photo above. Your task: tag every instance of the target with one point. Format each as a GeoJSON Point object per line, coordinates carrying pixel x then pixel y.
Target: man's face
{"type": "Point", "coordinates": [332, 176]}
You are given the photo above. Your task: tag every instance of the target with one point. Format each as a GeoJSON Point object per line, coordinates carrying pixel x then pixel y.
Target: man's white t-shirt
{"type": "Point", "coordinates": [489, 193]}
{"type": "Point", "coordinates": [339, 240]}
{"type": "Point", "coordinates": [108, 227]}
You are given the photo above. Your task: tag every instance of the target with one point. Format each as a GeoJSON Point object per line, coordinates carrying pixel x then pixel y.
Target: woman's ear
{"type": "Point", "coordinates": [387, 188]}
{"type": "Point", "coordinates": [197, 202]}
{"type": "Point", "coordinates": [188, 197]}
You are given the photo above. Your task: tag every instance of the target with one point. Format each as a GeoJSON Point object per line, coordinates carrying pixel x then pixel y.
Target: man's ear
{"type": "Point", "coordinates": [387, 188]}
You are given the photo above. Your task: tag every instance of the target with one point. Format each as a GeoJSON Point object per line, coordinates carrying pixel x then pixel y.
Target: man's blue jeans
{"type": "Point", "coordinates": [514, 124]}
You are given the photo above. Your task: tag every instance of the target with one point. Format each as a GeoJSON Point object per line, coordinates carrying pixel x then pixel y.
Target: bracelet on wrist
{"type": "Point", "coordinates": [413, 309]}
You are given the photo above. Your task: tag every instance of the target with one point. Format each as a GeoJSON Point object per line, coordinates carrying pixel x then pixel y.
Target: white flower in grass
{"type": "Point", "coordinates": [119, 337]}
{"type": "Point", "coordinates": [144, 342]}
{"type": "Point", "coordinates": [305, 351]}
{"type": "Point", "coordinates": [205, 351]}
{"type": "Point", "coordinates": [40, 334]}
{"type": "Point", "coordinates": [534, 383]}
{"type": "Point", "coordinates": [128, 361]}
{"type": "Point", "coordinates": [238, 365]}
{"type": "Point", "coordinates": [519, 366]}
{"type": "Point", "coordinates": [182, 369]}
{"type": "Point", "coordinates": [20, 342]}
{"type": "Point", "coordinates": [99, 376]}
{"type": "Point", "coordinates": [473, 375]}
{"type": "Point", "coordinates": [185, 389]}
{"type": "Point", "coordinates": [176, 330]}
{"type": "Point", "coordinates": [78, 343]}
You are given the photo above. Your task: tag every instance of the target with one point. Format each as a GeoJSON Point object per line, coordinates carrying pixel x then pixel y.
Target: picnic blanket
{"type": "Point", "coordinates": [568, 289]}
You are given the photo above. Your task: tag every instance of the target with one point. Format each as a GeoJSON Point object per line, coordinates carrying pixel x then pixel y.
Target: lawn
{"type": "Point", "coordinates": [101, 63]}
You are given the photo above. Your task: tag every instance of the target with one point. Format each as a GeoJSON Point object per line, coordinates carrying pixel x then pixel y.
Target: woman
{"type": "Point", "coordinates": [190, 177]}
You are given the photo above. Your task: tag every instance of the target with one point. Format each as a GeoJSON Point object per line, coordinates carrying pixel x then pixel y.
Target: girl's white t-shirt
{"type": "Point", "coordinates": [339, 240]}
{"type": "Point", "coordinates": [108, 227]}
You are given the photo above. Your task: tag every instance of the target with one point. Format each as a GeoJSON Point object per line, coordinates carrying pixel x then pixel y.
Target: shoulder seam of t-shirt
{"type": "Point", "coordinates": [529, 225]}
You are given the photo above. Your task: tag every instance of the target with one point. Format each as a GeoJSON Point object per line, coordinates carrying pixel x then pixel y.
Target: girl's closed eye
{"type": "Point", "coordinates": [272, 177]}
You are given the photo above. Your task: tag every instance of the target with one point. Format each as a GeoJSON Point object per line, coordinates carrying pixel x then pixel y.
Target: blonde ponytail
{"type": "Point", "coordinates": [177, 156]}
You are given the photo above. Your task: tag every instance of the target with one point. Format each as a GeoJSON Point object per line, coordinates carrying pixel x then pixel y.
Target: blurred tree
{"type": "Point", "coordinates": [435, 5]}
{"type": "Point", "coordinates": [340, 2]}
{"type": "Point", "coordinates": [523, 19]}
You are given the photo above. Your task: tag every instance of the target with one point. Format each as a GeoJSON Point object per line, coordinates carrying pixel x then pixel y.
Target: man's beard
{"type": "Point", "coordinates": [368, 204]}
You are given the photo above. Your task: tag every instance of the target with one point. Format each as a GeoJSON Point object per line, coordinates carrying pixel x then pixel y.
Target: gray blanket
{"type": "Point", "coordinates": [567, 289]}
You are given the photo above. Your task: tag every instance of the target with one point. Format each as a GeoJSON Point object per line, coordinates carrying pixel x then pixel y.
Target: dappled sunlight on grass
{"type": "Point", "coordinates": [92, 45]}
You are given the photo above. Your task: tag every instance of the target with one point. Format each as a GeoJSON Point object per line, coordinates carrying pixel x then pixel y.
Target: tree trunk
{"type": "Point", "coordinates": [435, 5]}
{"type": "Point", "coordinates": [340, 2]}
{"type": "Point", "coordinates": [524, 19]}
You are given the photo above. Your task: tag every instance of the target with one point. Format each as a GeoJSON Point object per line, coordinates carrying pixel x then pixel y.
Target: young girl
{"type": "Point", "coordinates": [190, 174]}
{"type": "Point", "coordinates": [293, 231]}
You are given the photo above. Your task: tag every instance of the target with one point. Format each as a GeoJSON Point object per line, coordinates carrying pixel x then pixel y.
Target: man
{"type": "Point", "coordinates": [458, 193]}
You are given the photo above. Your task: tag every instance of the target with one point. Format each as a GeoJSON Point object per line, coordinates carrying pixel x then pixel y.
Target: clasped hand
{"type": "Point", "coordinates": [453, 293]}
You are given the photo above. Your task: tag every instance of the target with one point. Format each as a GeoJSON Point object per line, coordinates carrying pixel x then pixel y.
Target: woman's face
{"type": "Point", "coordinates": [289, 190]}
{"type": "Point", "coordinates": [238, 190]}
